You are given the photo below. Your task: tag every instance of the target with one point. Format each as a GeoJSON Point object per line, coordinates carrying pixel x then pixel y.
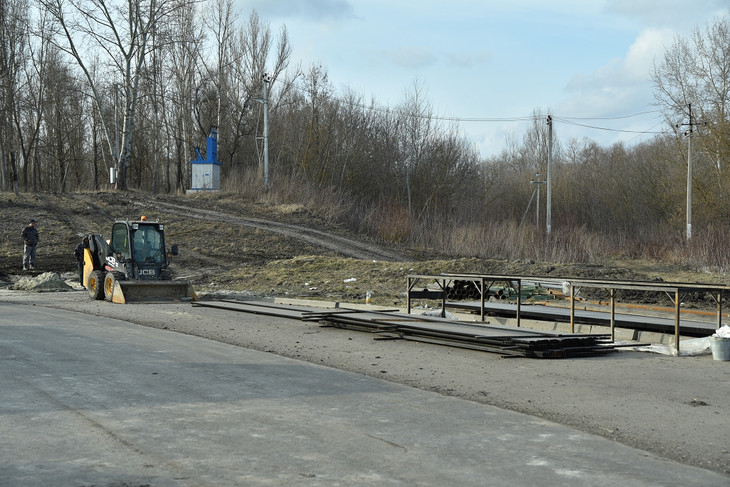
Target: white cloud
{"type": "Point", "coordinates": [495, 58]}
{"type": "Point", "coordinates": [649, 46]}
{"type": "Point", "coordinates": [621, 85]}
{"type": "Point", "coordinates": [467, 59]}
{"type": "Point", "coordinates": [410, 57]}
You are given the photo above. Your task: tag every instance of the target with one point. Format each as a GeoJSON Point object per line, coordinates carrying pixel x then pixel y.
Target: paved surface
{"type": "Point", "coordinates": [97, 401]}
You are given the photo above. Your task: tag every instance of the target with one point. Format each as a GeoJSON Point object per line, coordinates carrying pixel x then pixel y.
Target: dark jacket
{"type": "Point", "coordinates": [30, 236]}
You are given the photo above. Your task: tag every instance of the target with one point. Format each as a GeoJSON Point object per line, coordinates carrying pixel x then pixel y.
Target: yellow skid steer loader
{"type": "Point", "coordinates": [132, 265]}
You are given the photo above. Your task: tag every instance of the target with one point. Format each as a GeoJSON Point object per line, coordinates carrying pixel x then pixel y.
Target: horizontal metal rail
{"type": "Point", "coordinates": [673, 289]}
{"type": "Point", "coordinates": [443, 280]}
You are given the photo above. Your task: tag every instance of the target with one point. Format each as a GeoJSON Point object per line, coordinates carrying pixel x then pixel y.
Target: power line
{"type": "Point", "coordinates": [608, 129]}
{"type": "Point", "coordinates": [574, 121]}
{"type": "Point", "coordinates": [649, 131]}
{"type": "Point", "coordinates": [617, 117]}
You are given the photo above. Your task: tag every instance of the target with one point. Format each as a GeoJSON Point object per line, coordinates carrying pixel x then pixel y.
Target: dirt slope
{"type": "Point", "coordinates": [228, 243]}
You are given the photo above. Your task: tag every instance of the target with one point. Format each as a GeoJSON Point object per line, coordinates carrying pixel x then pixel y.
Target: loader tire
{"type": "Point", "coordinates": [96, 285]}
{"type": "Point", "coordinates": [109, 281]}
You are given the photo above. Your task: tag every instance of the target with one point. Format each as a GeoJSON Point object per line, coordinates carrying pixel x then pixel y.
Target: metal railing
{"type": "Point", "coordinates": [675, 291]}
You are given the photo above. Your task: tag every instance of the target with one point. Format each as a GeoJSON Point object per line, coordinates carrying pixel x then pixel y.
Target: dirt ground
{"type": "Point", "coordinates": [670, 406]}
{"type": "Point", "coordinates": [230, 244]}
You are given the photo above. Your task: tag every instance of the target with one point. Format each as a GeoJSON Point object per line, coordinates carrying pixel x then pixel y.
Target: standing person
{"type": "Point", "coordinates": [79, 254]}
{"type": "Point", "coordinates": [30, 242]}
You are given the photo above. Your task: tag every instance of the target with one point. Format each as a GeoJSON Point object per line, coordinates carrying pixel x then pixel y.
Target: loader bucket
{"type": "Point", "coordinates": [152, 291]}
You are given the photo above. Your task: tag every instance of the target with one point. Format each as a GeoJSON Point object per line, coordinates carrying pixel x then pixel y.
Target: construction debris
{"type": "Point", "coordinates": [464, 290]}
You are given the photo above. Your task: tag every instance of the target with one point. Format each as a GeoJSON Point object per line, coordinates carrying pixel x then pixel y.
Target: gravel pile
{"type": "Point", "coordinates": [45, 282]}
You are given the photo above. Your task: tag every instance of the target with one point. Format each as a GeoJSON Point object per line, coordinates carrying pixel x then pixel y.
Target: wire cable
{"type": "Point", "coordinates": [567, 120]}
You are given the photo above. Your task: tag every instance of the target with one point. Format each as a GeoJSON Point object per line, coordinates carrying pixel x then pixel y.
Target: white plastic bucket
{"type": "Point", "coordinates": [720, 347]}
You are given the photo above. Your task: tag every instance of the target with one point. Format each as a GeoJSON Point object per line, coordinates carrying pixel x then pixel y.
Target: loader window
{"type": "Point", "coordinates": [149, 246]}
{"type": "Point", "coordinates": [119, 241]}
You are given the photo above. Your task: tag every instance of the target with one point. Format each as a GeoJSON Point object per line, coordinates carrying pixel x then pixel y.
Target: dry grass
{"type": "Point", "coordinates": [486, 236]}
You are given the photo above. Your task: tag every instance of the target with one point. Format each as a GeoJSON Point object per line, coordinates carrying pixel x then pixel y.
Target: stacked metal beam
{"type": "Point", "coordinates": [507, 341]}
{"type": "Point", "coordinates": [489, 338]}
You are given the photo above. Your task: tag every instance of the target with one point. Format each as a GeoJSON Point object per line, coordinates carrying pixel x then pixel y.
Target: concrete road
{"type": "Point", "coordinates": [93, 401]}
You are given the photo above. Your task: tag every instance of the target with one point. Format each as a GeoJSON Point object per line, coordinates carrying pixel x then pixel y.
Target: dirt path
{"type": "Point", "coordinates": [76, 221]}
{"type": "Point", "coordinates": [341, 245]}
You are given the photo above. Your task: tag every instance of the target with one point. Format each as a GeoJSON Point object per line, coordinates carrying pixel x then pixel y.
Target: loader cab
{"type": "Point", "coordinates": [141, 242]}
{"type": "Point", "coordinates": [148, 244]}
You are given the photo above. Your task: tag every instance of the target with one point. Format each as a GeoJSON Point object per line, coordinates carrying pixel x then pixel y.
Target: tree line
{"type": "Point", "coordinates": [86, 86]}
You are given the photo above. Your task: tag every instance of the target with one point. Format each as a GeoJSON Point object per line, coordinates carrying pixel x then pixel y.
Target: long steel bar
{"type": "Point", "coordinates": [536, 344]}
{"type": "Point", "coordinates": [606, 283]}
{"type": "Point", "coordinates": [572, 308]}
{"type": "Point", "coordinates": [676, 320]}
{"type": "Point", "coordinates": [519, 300]}
{"type": "Point", "coordinates": [613, 314]}
{"type": "Point", "coordinates": [493, 338]}
{"type": "Point", "coordinates": [719, 308]}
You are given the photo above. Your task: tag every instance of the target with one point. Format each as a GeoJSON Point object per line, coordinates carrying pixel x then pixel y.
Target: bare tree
{"type": "Point", "coordinates": [692, 83]}
{"type": "Point", "coordinates": [120, 32]}
{"type": "Point", "coordinates": [696, 71]}
{"type": "Point", "coordinates": [182, 58]}
{"type": "Point", "coordinates": [13, 57]}
{"type": "Point", "coordinates": [437, 160]}
{"type": "Point", "coordinates": [220, 20]}
{"type": "Point", "coordinates": [256, 53]}
{"type": "Point", "coordinates": [29, 117]}
{"type": "Point", "coordinates": [418, 128]}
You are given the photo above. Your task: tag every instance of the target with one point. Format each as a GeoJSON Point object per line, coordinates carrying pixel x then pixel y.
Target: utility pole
{"type": "Point", "coordinates": [689, 177]}
{"type": "Point", "coordinates": [689, 134]}
{"type": "Point", "coordinates": [267, 80]}
{"type": "Point", "coordinates": [548, 223]}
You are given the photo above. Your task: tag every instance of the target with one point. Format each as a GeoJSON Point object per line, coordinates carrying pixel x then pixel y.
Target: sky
{"type": "Point", "coordinates": [498, 61]}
